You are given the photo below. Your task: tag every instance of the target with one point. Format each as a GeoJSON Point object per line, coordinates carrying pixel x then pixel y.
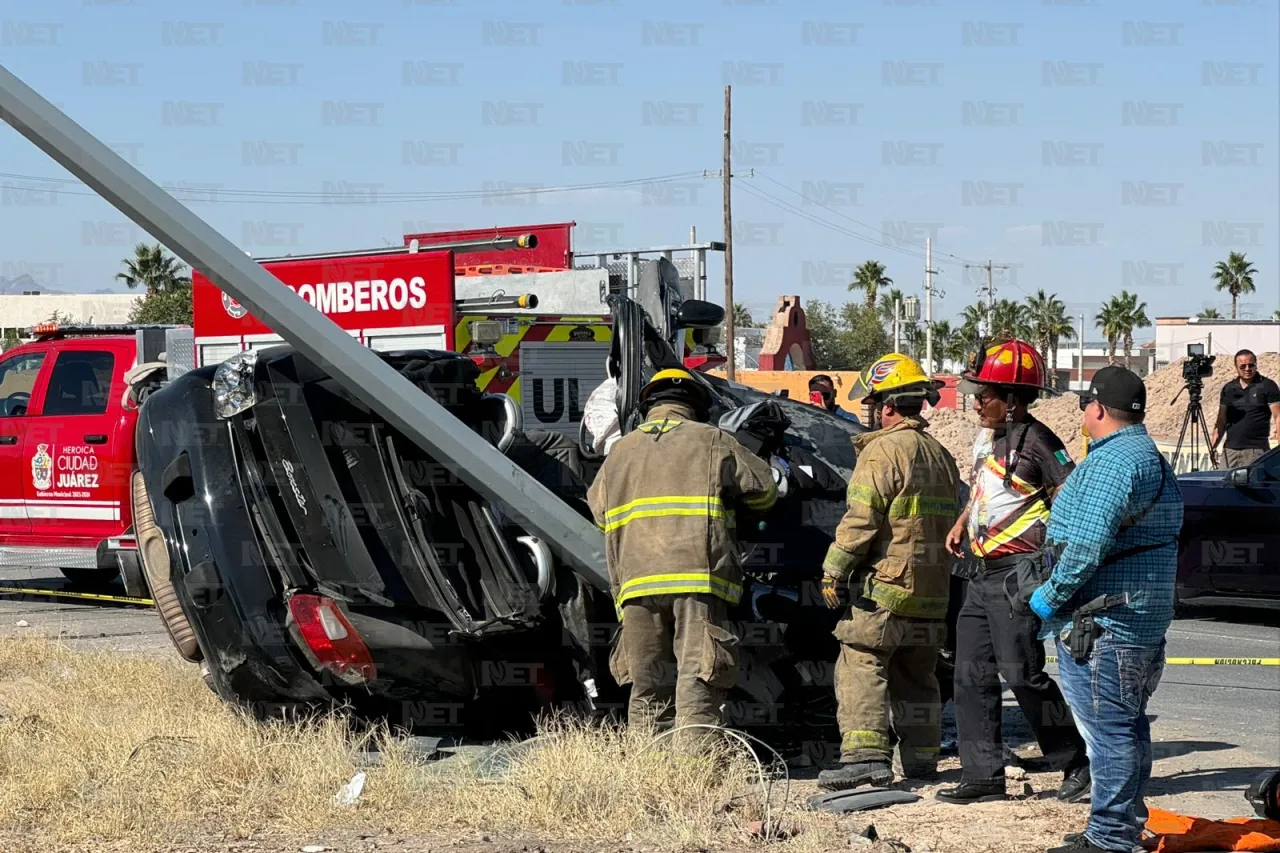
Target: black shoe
{"type": "Point", "coordinates": [848, 776]}
{"type": "Point", "coordinates": [1078, 844]}
{"type": "Point", "coordinates": [973, 792]}
{"type": "Point", "coordinates": [1076, 785]}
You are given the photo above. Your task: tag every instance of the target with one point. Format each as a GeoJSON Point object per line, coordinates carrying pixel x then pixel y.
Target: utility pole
{"type": "Point", "coordinates": [729, 332]}
{"type": "Point", "coordinates": [991, 290]}
{"type": "Point", "coordinates": [897, 325]}
{"type": "Point", "coordinates": [1080, 366]}
{"type": "Point", "coordinates": [928, 304]}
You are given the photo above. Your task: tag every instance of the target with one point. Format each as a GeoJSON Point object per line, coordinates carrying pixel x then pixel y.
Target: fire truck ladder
{"type": "Point", "coordinates": [624, 265]}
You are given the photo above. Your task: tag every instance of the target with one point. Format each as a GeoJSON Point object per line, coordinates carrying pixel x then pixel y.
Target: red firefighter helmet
{"type": "Point", "coordinates": [1011, 364]}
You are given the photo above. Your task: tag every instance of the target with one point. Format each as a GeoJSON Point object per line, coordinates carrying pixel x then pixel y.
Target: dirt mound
{"type": "Point", "coordinates": [1165, 420]}
{"type": "Point", "coordinates": [957, 431]}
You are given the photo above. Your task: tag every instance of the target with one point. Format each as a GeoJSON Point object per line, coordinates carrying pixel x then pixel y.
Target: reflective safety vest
{"type": "Point", "coordinates": [667, 499]}
{"type": "Point", "coordinates": [901, 503]}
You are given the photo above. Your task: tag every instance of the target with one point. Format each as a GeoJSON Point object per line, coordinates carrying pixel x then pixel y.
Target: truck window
{"type": "Point", "coordinates": [80, 383]}
{"type": "Point", "coordinates": [17, 379]}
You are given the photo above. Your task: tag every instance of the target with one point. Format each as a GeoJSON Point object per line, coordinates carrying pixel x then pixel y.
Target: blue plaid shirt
{"type": "Point", "coordinates": [1118, 479]}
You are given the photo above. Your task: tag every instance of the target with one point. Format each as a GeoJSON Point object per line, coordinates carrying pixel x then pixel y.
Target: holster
{"type": "Point", "coordinates": [1031, 573]}
{"type": "Point", "coordinates": [1085, 629]}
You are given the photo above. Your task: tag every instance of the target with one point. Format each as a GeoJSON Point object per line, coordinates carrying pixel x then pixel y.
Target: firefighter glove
{"type": "Point", "coordinates": [830, 592]}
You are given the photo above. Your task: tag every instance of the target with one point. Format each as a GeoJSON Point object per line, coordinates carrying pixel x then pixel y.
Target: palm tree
{"type": "Point", "coordinates": [154, 268]}
{"type": "Point", "coordinates": [869, 278]}
{"type": "Point", "coordinates": [742, 317]}
{"type": "Point", "coordinates": [944, 342]}
{"type": "Point", "coordinates": [1234, 275]}
{"type": "Point", "coordinates": [1135, 317]}
{"type": "Point", "coordinates": [1110, 320]}
{"type": "Point", "coordinates": [1011, 320]}
{"type": "Point", "coordinates": [884, 308]}
{"type": "Point", "coordinates": [1050, 324]}
{"type": "Point", "coordinates": [1212, 314]}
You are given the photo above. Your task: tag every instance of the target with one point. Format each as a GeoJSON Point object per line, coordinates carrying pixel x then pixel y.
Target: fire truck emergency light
{"type": "Point", "coordinates": [486, 332]}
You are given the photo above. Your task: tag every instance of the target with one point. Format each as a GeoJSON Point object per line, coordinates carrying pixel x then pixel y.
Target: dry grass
{"type": "Point", "coordinates": [98, 747]}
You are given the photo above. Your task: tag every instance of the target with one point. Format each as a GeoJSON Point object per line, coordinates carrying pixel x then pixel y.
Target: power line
{"type": "Point", "coordinates": [773, 200]}
{"type": "Point", "coordinates": [850, 218]}
{"type": "Point", "coordinates": [209, 193]}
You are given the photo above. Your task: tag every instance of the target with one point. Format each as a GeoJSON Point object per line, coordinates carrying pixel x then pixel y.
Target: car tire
{"type": "Point", "coordinates": [154, 553]}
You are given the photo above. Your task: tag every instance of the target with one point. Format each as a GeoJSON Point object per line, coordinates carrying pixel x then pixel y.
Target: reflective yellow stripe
{"type": "Point", "coordinates": [863, 740]}
{"type": "Point", "coordinates": [764, 501]}
{"type": "Point", "coordinates": [682, 583]}
{"type": "Point", "coordinates": [837, 562]}
{"type": "Point", "coordinates": [916, 505]}
{"type": "Point", "coordinates": [903, 603]}
{"type": "Point", "coordinates": [867, 496]}
{"type": "Point", "coordinates": [1036, 512]}
{"type": "Point", "coordinates": [651, 427]}
{"type": "Point", "coordinates": [702, 501]}
{"type": "Point", "coordinates": [667, 506]}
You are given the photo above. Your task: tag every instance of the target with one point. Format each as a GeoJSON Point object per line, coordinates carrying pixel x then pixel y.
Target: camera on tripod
{"type": "Point", "coordinates": [1198, 365]}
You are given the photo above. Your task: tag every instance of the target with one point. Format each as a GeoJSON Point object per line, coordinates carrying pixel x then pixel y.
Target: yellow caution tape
{"type": "Point", "coordinates": [1208, 661]}
{"type": "Point", "coordinates": [13, 590]}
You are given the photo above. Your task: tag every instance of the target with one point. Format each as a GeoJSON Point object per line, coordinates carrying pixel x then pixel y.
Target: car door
{"type": "Point", "coordinates": [1245, 557]}
{"type": "Point", "coordinates": [19, 375]}
{"type": "Point", "coordinates": [69, 447]}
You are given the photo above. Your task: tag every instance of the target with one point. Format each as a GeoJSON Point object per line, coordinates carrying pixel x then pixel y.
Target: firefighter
{"type": "Point", "coordinates": [1018, 467]}
{"type": "Point", "coordinates": [890, 551]}
{"type": "Point", "coordinates": [666, 498]}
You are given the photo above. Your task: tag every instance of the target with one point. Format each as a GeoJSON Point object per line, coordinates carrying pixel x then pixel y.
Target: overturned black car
{"type": "Point", "coordinates": [306, 553]}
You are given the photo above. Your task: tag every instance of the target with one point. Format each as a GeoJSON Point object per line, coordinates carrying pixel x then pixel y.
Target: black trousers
{"type": "Point", "coordinates": [994, 641]}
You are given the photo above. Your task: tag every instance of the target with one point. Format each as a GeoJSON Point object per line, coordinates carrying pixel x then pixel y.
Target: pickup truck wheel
{"type": "Point", "coordinates": [155, 562]}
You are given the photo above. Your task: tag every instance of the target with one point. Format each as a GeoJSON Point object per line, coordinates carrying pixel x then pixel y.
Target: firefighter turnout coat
{"type": "Point", "coordinates": [666, 498]}
{"type": "Point", "coordinates": [901, 504]}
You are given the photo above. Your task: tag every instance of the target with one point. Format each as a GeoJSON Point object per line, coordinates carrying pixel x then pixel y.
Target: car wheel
{"type": "Point", "coordinates": [155, 563]}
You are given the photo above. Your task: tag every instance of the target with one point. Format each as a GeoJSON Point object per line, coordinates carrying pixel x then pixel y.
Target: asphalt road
{"type": "Point", "coordinates": [1216, 727]}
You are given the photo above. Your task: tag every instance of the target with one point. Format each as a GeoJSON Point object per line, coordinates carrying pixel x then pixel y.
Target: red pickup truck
{"type": "Point", "coordinates": [67, 453]}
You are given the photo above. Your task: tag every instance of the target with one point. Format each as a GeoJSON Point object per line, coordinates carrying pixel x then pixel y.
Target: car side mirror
{"type": "Point", "coordinates": [697, 314]}
{"type": "Point", "coordinates": [1239, 477]}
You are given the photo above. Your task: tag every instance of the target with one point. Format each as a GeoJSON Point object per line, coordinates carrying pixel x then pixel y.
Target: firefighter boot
{"type": "Point", "coordinates": [854, 774]}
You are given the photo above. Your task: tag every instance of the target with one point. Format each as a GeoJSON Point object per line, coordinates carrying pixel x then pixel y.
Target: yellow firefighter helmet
{"type": "Point", "coordinates": [894, 376]}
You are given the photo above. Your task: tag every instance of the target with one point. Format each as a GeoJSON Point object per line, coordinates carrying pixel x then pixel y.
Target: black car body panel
{"type": "Point", "coordinates": [1230, 539]}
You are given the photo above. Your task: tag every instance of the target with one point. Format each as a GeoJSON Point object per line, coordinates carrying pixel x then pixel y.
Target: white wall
{"type": "Point", "coordinates": [1227, 338]}
{"type": "Point", "coordinates": [23, 312]}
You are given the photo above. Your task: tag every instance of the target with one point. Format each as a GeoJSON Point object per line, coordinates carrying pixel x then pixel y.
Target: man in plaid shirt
{"type": "Point", "coordinates": [1117, 520]}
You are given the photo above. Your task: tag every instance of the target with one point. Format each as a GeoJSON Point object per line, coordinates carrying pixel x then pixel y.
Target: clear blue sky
{"type": "Point", "coordinates": [905, 108]}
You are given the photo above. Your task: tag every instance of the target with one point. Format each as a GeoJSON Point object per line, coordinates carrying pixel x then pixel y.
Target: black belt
{"type": "Point", "coordinates": [999, 562]}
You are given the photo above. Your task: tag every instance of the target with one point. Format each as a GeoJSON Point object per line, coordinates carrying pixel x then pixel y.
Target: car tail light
{"type": "Point", "coordinates": [333, 642]}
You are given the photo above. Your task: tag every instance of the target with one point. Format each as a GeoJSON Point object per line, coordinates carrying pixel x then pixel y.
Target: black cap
{"type": "Point", "coordinates": [1117, 388]}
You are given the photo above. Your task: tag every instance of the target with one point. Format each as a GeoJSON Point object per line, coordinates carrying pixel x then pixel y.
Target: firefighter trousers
{"type": "Point", "coordinates": [886, 675]}
{"type": "Point", "coordinates": [680, 660]}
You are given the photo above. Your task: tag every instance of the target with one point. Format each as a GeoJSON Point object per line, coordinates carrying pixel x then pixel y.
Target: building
{"type": "Point", "coordinates": [21, 312]}
{"type": "Point", "coordinates": [1219, 337]}
{"type": "Point", "coordinates": [1093, 355]}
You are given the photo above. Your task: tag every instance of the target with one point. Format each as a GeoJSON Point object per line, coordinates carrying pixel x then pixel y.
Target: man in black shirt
{"type": "Point", "coordinates": [1246, 411]}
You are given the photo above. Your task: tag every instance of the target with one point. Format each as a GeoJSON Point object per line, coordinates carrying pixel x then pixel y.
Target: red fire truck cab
{"type": "Point", "coordinates": [67, 453]}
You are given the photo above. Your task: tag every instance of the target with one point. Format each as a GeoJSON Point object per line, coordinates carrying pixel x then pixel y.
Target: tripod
{"type": "Point", "coordinates": [1194, 417]}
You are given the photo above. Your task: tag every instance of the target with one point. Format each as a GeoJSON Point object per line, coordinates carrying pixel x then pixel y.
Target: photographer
{"type": "Point", "coordinates": [822, 393]}
{"type": "Point", "coordinates": [1246, 411]}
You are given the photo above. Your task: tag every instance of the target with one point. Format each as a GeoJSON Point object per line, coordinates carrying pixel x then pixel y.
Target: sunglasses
{"type": "Point", "coordinates": [1085, 400]}
{"type": "Point", "coordinates": [1253, 365]}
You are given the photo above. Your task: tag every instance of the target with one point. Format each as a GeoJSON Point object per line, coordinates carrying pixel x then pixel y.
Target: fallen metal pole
{"type": "Point", "coordinates": [358, 368]}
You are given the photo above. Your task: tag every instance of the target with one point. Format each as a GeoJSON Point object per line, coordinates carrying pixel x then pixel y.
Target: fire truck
{"type": "Point", "coordinates": [518, 300]}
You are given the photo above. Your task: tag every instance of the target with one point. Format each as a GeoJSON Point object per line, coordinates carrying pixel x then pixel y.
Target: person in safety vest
{"type": "Point", "coordinates": [890, 551]}
{"type": "Point", "coordinates": [1019, 465]}
{"type": "Point", "coordinates": [666, 498]}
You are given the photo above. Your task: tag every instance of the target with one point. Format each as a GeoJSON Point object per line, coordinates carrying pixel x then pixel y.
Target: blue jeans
{"type": "Point", "coordinates": [1108, 695]}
